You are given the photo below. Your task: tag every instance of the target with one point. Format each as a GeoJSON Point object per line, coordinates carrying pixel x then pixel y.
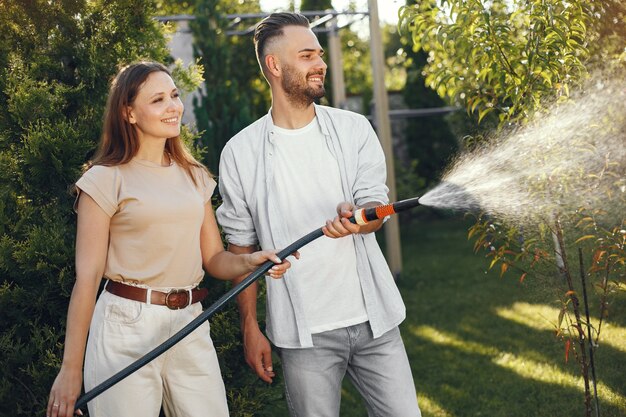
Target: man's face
{"type": "Point", "coordinates": [303, 69]}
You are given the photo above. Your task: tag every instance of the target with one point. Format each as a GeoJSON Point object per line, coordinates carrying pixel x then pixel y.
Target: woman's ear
{"type": "Point", "coordinates": [129, 115]}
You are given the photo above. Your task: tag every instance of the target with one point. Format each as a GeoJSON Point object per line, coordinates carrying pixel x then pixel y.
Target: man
{"type": "Point", "coordinates": [337, 310]}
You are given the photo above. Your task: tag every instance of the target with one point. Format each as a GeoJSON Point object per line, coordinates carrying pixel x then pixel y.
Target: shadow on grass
{"type": "Point", "coordinates": [469, 361]}
{"type": "Point", "coordinates": [473, 373]}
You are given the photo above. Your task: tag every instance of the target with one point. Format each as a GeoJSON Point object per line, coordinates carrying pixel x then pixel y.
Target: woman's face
{"type": "Point", "coordinates": [157, 109]}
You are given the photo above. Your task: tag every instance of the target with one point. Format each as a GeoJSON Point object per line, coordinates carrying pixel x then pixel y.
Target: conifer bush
{"type": "Point", "coordinates": [56, 61]}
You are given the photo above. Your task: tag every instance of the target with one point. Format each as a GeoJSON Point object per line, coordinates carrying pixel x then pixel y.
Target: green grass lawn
{"type": "Point", "coordinates": [482, 345]}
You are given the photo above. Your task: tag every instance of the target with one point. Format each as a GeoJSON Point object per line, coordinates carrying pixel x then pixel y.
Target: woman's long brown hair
{"type": "Point", "coordinates": [120, 142]}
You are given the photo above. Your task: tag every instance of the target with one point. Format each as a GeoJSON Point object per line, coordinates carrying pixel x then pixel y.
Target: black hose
{"type": "Point", "coordinates": [195, 323]}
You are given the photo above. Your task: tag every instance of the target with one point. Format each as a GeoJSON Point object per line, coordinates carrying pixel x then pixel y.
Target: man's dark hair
{"type": "Point", "coordinates": [272, 27]}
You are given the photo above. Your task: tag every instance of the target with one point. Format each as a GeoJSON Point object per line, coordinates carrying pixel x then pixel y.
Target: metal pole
{"type": "Point", "coordinates": [336, 66]}
{"type": "Point", "coordinates": [383, 128]}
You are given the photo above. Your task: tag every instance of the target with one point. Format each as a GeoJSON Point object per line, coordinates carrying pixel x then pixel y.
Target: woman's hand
{"type": "Point", "coordinates": [64, 393]}
{"type": "Point", "coordinates": [257, 259]}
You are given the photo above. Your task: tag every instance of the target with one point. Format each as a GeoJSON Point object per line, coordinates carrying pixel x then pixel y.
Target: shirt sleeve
{"type": "Point", "coordinates": [369, 185]}
{"type": "Point", "coordinates": [234, 215]}
{"type": "Point", "coordinates": [102, 184]}
{"type": "Point", "coordinates": [207, 184]}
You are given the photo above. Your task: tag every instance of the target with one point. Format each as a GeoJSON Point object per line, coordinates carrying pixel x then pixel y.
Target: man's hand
{"type": "Point", "coordinates": [258, 353]}
{"type": "Point", "coordinates": [340, 226]}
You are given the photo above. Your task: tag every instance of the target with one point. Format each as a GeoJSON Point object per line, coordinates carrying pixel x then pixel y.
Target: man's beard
{"type": "Point", "coordinates": [298, 92]}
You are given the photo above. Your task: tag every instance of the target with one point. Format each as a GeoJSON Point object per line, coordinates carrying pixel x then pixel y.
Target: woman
{"type": "Point", "coordinates": [145, 223]}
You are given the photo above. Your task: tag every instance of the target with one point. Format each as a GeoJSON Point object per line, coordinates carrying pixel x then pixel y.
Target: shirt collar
{"type": "Point", "coordinates": [319, 113]}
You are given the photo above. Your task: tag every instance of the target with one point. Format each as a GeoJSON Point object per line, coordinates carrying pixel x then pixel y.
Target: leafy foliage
{"type": "Point", "coordinates": [505, 57]}
{"type": "Point", "coordinates": [56, 61]}
{"type": "Point", "coordinates": [430, 140]}
{"type": "Point", "coordinates": [235, 94]}
{"type": "Point", "coordinates": [511, 60]}
{"type": "Point", "coordinates": [357, 67]}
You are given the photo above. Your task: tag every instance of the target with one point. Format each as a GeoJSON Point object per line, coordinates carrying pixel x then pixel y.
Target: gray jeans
{"type": "Point", "coordinates": [379, 369]}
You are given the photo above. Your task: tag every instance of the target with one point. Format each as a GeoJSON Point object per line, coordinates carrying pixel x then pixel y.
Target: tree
{"type": "Point", "coordinates": [430, 140]}
{"type": "Point", "coordinates": [235, 93]}
{"type": "Point", "coordinates": [513, 63]}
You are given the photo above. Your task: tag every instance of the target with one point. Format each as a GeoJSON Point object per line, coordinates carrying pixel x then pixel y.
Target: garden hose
{"type": "Point", "coordinates": [361, 216]}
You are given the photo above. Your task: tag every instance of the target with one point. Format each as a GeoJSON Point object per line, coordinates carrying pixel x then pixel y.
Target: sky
{"type": "Point", "coordinates": [387, 9]}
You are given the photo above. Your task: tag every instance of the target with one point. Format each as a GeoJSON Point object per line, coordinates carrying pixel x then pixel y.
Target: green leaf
{"type": "Point", "coordinates": [559, 321]}
{"type": "Point", "coordinates": [580, 239]}
{"type": "Point", "coordinates": [547, 77]}
{"type": "Point", "coordinates": [483, 113]}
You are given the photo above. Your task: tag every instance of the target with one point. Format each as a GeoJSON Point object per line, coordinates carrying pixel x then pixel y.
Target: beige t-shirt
{"type": "Point", "coordinates": [156, 215]}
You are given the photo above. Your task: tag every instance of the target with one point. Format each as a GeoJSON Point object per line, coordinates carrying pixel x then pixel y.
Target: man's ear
{"type": "Point", "coordinates": [272, 64]}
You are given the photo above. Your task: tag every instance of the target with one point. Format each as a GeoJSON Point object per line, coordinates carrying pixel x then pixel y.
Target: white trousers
{"type": "Point", "coordinates": [186, 380]}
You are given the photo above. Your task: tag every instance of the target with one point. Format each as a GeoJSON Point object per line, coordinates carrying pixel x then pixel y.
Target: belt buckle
{"type": "Point", "coordinates": [172, 292]}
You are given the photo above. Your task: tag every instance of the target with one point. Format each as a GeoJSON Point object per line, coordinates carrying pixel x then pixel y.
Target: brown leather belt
{"type": "Point", "coordinates": [174, 299]}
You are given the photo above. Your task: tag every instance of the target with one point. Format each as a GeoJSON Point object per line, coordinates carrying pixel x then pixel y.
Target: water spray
{"type": "Point", "coordinates": [361, 216]}
{"type": "Point", "coordinates": [570, 157]}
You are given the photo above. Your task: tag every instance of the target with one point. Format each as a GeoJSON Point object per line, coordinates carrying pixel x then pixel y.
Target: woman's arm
{"type": "Point", "coordinates": [92, 239]}
{"type": "Point", "coordinates": [226, 265]}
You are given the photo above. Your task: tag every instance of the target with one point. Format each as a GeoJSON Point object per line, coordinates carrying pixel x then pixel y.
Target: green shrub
{"type": "Point", "coordinates": [56, 61]}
